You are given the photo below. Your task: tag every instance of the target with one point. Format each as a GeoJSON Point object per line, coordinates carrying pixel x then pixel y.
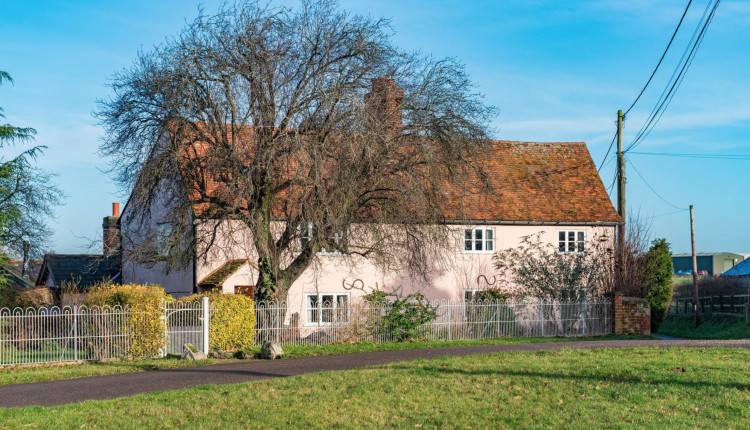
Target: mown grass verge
{"type": "Point", "coordinates": [713, 326]}
{"type": "Point", "coordinates": [53, 372]}
{"type": "Point", "coordinates": [292, 351]}
{"type": "Point", "coordinates": [609, 388]}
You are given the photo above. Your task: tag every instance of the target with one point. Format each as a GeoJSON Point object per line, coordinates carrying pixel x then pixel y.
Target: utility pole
{"type": "Point", "coordinates": [620, 198]}
{"type": "Point", "coordinates": [695, 270]}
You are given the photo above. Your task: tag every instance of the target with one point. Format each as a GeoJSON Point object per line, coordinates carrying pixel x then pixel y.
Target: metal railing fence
{"type": "Point", "coordinates": [184, 323]}
{"type": "Point", "coordinates": [48, 335]}
{"type": "Point", "coordinates": [56, 335]}
{"type": "Point", "coordinates": [454, 320]}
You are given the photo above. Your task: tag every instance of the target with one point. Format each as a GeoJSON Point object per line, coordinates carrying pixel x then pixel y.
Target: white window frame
{"type": "Point", "coordinates": [319, 308]}
{"type": "Point", "coordinates": [578, 241]}
{"type": "Point", "coordinates": [484, 240]}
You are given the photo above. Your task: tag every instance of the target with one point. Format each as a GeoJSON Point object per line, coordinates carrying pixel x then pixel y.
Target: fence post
{"type": "Point", "coordinates": [450, 321]}
{"type": "Point", "coordinates": [585, 312]}
{"type": "Point", "coordinates": [541, 314]}
{"type": "Point", "coordinates": [206, 318]}
{"type": "Point", "coordinates": [75, 333]}
{"type": "Point", "coordinates": [165, 317]}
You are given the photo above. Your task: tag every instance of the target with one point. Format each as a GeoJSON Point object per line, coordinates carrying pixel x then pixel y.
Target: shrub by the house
{"type": "Point", "coordinates": [232, 320]}
{"type": "Point", "coordinates": [145, 319]}
{"type": "Point", "coordinates": [404, 317]}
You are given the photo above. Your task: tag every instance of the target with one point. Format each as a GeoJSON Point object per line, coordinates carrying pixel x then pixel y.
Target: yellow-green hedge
{"type": "Point", "coordinates": [145, 320]}
{"type": "Point", "coordinates": [232, 320]}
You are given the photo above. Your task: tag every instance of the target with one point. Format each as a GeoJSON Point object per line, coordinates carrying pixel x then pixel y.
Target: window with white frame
{"type": "Point", "coordinates": [327, 308]}
{"type": "Point", "coordinates": [306, 233]}
{"type": "Point", "coordinates": [479, 239]}
{"type": "Point", "coordinates": [571, 241]}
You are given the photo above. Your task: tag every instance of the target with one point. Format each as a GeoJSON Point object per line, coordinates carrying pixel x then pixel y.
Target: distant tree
{"type": "Point", "coordinates": [258, 115]}
{"type": "Point", "coordinates": [28, 194]}
{"type": "Point", "coordinates": [658, 261]}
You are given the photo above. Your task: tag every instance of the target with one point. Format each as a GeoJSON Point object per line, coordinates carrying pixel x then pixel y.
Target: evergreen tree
{"type": "Point", "coordinates": [27, 193]}
{"type": "Point", "coordinates": [659, 281]}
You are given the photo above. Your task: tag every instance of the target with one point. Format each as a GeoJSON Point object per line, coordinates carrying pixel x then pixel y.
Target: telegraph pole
{"type": "Point", "coordinates": [695, 270]}
{"type": "Point", "coordinates": [620, 196]}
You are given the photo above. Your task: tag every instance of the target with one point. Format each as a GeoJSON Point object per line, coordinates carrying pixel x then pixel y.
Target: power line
{"type": "Point", "coordinates": [612, 185]}
{"type": "Point", "coordinates": [676, 78]}
{"type": "Point", "coordinates": [652, 188]}
{"type": "Point", "coordinates": [703, 156]}
{"type": "Point", "coordinates": [607, 154]}
{"type": "Point", "coordinates": [660, 59]}
{"type": "Point", "coordinates": [665, 214]}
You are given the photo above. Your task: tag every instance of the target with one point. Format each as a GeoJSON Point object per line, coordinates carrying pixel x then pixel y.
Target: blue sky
{"type": "Point", "coordinates": [558, 71]}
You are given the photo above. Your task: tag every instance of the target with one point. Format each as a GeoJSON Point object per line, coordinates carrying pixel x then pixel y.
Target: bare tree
{"type": "Point", "coordinates": [306, 128]}
{"type": "Point", "coordinates": [636, 269]}
{"type": "Point", "coordinates": [536, 269]}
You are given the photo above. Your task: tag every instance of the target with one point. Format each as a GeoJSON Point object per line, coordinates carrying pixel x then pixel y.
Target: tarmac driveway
{"type": "Point", "coordinates": [128, 384]}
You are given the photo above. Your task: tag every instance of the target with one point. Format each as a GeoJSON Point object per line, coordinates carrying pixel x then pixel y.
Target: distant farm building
{"type": "Point", "coordinates": [712, 263]}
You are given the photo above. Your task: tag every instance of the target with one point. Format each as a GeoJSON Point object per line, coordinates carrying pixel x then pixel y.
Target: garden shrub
{"type": "Point", "coordinates": [404, 317]}
{"type": "Point", "coordinates": [659, 281]}
{"type": "Point", "coordinates": [145, 320]}
{"type": "Point", "coordinates": [17, 297]}
{"type": "Point", "coordinates": [232, 320]}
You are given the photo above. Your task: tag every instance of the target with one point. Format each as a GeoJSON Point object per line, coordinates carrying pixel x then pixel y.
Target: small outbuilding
{"type": "Point", "coordinates": [79, 270]}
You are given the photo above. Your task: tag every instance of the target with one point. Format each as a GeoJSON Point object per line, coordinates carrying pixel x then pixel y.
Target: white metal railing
{"type": "Point", "coordinates": [186, 322]}
{"type": "Point", "coordinates": [455, 320]}
{"type": "Point", "coordinates": [53, 334]}
{"type": "Point", "coordinates": [47, 335]}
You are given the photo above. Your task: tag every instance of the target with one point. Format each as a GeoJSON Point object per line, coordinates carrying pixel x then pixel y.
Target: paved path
{"type": "Point", "coordinates": [128, 384]}
{"type": "Point", "coordinates": [665, 337]}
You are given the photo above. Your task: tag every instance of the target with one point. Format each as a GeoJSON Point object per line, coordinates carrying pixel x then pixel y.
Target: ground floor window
{"type": "Point", "coordinates": [327, 308]}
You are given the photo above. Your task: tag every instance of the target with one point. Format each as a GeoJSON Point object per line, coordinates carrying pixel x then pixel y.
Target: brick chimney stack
{"type": "Point", "coordinates": [111, 231]}
{"type": "Point", "coordinates": [384, 100]}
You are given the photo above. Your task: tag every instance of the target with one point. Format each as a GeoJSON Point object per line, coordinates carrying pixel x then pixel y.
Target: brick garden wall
{"type": "Point", "coordinates": [632, 316]}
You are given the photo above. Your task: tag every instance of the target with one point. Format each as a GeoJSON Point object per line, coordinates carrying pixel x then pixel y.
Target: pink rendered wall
{"type": "Point", "coordinates": [328, 272]}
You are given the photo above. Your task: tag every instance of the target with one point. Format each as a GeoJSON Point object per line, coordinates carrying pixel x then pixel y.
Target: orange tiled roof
{"type": "Point", "coordinates": [534, 182]}
{"type": "Point", "coordinates": [531, 182]}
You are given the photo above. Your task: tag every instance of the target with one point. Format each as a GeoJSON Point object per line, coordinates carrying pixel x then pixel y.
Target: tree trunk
{"type": "Point", "coordinates": [267, 288]}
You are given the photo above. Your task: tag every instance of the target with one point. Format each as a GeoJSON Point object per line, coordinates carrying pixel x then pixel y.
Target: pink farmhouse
{"type": "Point", "coordinates": [551, 189]}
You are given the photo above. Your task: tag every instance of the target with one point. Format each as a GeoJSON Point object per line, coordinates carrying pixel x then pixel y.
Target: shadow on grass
{"type": "Point", "coordinates": [550, 375]}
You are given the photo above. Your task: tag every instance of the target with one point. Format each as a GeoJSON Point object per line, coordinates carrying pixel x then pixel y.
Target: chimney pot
{"type": "Point", "coordinates": [115, 209]}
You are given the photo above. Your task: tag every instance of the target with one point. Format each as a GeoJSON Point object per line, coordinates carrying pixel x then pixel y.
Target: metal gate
{"type": "Point", "coordinates": [186, 322]}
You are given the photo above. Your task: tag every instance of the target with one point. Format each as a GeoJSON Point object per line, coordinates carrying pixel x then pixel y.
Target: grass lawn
{"type": "Point", "coordinates": [612, 388]}
{"type": "Point", "coordinates": [53, 372]}
{"type": "Point", "coordinates": [713, 326]}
